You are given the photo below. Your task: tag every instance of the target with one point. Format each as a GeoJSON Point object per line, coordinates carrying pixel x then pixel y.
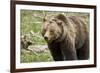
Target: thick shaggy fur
{"type": "Point", "coordinates": [67, 37]}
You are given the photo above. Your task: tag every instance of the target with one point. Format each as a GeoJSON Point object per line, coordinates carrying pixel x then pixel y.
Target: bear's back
{"type": "Point", "coordinates": [81, 30]}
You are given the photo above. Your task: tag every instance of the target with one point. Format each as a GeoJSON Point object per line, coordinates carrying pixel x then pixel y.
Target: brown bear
{"type": "Point", "coordinates": [67, 37]}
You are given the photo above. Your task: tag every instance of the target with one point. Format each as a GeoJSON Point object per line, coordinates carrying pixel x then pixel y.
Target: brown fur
{"type": "Point", "coordinates": [69, 37]}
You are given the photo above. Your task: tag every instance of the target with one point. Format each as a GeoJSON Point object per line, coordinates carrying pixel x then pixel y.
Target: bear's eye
{"type": "Point", "coordinates": [54, 20]}
{"type": "Point", "coordinates": [51, 31]}
{"type": "Point", "coordinates": [51, 22]}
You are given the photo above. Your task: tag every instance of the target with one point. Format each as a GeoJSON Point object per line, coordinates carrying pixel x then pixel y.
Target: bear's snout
{"type": "Point", "coordinates": [45, 37]}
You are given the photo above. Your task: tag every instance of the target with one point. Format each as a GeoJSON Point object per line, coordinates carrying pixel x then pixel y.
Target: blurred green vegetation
{"type": "Point", "coordinates": [28, 57]}
{"type": "Point", "coordinates": [29, 22]}
{"type": "Point", "coordinates": [32, 21]}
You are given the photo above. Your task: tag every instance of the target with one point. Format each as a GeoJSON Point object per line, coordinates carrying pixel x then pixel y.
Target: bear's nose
{"type": "Point", "coordinates": [45, 37]}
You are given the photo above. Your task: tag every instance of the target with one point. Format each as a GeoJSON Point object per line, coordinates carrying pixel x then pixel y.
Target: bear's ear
{"type": "Point", "coordinates": [61, 17]}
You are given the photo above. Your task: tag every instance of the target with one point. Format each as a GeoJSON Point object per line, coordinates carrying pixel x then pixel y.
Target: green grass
{"type": "Point", "coordinates": [28, 57]}
{"type": "Point", "coordinates": [31, 21]}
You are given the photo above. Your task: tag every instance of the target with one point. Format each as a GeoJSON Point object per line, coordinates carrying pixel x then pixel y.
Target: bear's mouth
{"type": "Point", "coordinates": [48, 40]}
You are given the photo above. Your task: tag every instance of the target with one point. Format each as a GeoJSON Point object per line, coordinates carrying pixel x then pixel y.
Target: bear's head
{"type": "Point", "coordinates": [52, 28]}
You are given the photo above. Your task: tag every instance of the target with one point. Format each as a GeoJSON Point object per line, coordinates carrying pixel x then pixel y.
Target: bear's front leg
{"type": "Point", "coordinates": [68, 52]}
{"type": "Point", "coordinates": [56, 52]}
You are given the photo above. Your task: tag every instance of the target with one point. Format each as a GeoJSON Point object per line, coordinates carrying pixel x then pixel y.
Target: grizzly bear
{"type": "Point", "coordinates": [67, 37]}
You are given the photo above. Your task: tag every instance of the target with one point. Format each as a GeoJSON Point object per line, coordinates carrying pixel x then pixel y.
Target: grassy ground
{"type": "Point", "coordinates": [27, 57]}
{"type": "Point", "coordinates": [32, 21]}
